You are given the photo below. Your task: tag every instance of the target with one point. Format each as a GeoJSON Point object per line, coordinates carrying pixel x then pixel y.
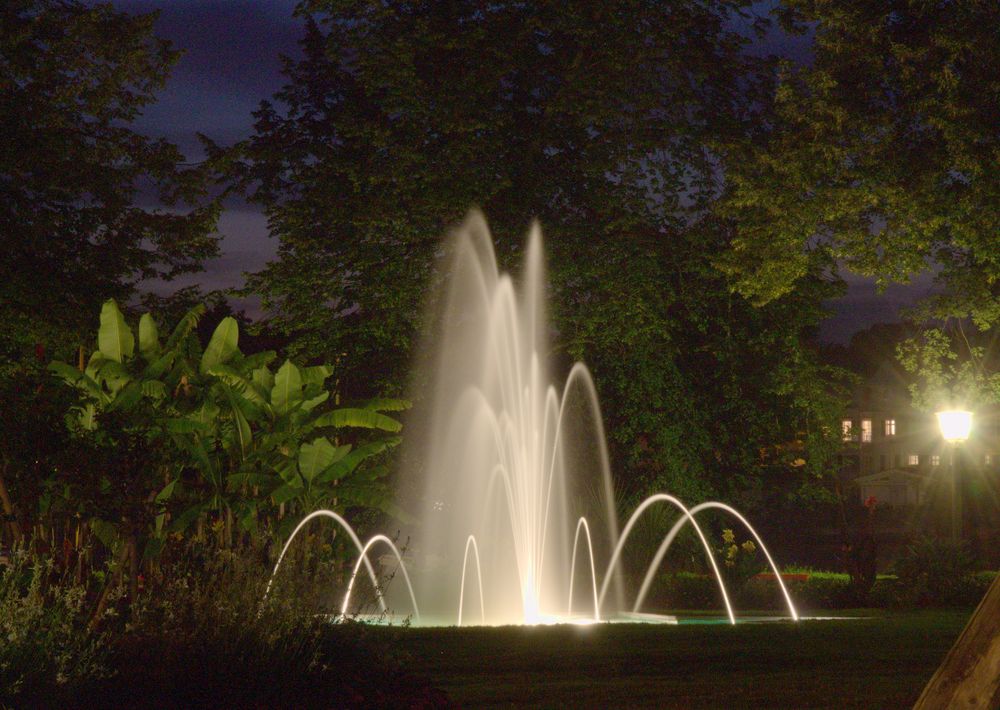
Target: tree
{"type": "Point", "coordinates": [167, 433]}
{"type": "Point", "coordinates": [32, 435]}
{"type": "Point", "coordinates": [595, 118]}
{"type": "Point", "coordinates": [607, 123]}
{"type": "Point", "coordinates": [881, 154]}
{"type": "Point", "coordinates": [705, 394]}
{"type": "Point", "coordinates": [950, 369]}
{"type": "Point", "coordinates": [73, 172]}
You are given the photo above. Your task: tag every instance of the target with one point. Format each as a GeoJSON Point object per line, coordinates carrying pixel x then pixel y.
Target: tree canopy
{"type": "Point", "coordinates": [400, 117]}
{"type": "Point", "coordinates": [609, 123]}
{"type": "Point", "coordinates": [74, 172]}
{"type": "Point", "coordinates": [882, 154]}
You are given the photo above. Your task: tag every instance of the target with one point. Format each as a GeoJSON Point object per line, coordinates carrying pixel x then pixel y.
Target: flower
{"type": "Point", "coordinates": [728, 536]}
{"type": "Point", "coordinates": [749, 546]}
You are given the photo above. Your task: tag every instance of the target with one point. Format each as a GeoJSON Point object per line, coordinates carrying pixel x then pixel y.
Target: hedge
{"type": "Point", "coordinates": [810, 593]}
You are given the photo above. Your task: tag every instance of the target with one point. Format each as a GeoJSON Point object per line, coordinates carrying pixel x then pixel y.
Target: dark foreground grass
{"type": "Point", "coordinates": [882, 661]}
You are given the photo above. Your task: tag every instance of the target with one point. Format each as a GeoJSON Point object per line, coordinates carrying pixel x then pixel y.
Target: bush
{"type": "Point", "coordinates": [684, 590]}
{"type": "Point", "coordinates": [816, 592]}
{"type": "Point", "coordinates": [740, 561]}
{"type": "Point", "coordinates": [688, 591]}
{"type": "Point", "coordinates": [935, 572]}
{"type": "Point", "coordinates": [45, 638]}
{"type": "Point", "coordinates": [819, 591]}
{"type": "Point", "coordinates": [199, 636]}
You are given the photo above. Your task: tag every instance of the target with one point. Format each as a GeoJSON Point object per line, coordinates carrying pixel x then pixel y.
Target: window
{"type": "Point", "coordinates": [935, 460]}
{"type": "Point", "coordinates": [867, 462]}
{"type": "Point", "coordinates": [866, 430]}
{"type": "Point", "coordinates": [881, 462]}
{"type": "Point", "coordinates": [989, 459]}
{"type": "Point", "coordinates": [890, 427]}
{"type": "Point", "coordinates": [913, 460]}
{"type": "Point", "coordinates": [895, 460]}
{"type": "Point", "coordinates": [845, 427]}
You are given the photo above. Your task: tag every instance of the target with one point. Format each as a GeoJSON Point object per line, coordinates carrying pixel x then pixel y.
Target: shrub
{"type": "Point", "coordinates": [816, 592]}
{"type": "Point", "coordinates": [819, 591]}
{"type": "Point", "coordinates": [684, 590]}
{"type": "Point", "coordinates": [935, 572]}
{"type": "Point", "coordinates": [199, 636]}
{"type": "Point", "coordinates": [45, 638]}
{"type": "Point", "coordinates": [740, 561]}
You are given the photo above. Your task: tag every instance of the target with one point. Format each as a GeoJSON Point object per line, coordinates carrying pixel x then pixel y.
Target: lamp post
{"type": "Point", "coordinates": [955, 426]}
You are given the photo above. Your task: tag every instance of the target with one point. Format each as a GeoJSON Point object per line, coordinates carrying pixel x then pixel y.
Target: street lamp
{"type": "Point", "coordinates": [955, 424]}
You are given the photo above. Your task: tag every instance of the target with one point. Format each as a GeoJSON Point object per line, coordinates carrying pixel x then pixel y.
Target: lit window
{"type": "Point", "coordinates": [890, 427]}
{"type": "Point", "coordinates": [989, 459]}
{"type": "Point", "coordinates": [935, 460]}
{"type": "Point", "coordinates": [866, 430]}
{"type": "Point", "coordinates": [845, 427]}
{"type": "Point", "coordinates": [913, 460]}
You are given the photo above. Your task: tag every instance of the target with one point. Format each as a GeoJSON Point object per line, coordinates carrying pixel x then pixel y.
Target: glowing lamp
{"type": "Point", "coordinates": [955, 425]}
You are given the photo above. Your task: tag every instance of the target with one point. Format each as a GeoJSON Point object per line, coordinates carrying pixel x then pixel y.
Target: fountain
{"type": "Point", "coordinates": [511, 465]}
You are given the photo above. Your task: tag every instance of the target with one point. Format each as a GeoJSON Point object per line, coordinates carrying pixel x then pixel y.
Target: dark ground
{"type": "Point", "coordinates": [882, 661]}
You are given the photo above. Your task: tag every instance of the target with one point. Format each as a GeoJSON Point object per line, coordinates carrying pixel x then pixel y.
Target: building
{"type": "Point", "coordinates": [893, 452]}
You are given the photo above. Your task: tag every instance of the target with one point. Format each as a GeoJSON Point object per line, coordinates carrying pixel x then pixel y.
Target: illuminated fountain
{"type": "Point", "coordinates": [514, 471]}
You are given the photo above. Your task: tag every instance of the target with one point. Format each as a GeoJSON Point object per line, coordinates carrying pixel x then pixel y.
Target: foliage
{"type": "Point", "coordinates": [881, 154]}
{"type": "Point", "coordinates": [932, 571]}
{"type": "Point", "coordinates": [948, 373]}
{"type": "Point", "coordinates": [33, 437]}
{"type": "Point", "coordinates": [611, 134]}
{"type": "Point", "coordinates": [859, 549]}
{"type": "Point", "coordinates": [818, 591]}
{"type": "Point", "coordinates": [75, 76]}
{"type": "Point", "coordinates": [47, 639]}
{"type": "Point", "coordinates": [704, 394]}
{"type": "Point", "coordinates": [740, 561]}
{"type": "Point", "coordinates": [171, 433]}
{"type": "Point", "coordinates": [198, 635]}
{"type": "Point", "coordinates": [397, 119]}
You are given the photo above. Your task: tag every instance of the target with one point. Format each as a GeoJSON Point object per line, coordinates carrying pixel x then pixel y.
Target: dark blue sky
{"type": "Point", "coordinates": [231, 62]}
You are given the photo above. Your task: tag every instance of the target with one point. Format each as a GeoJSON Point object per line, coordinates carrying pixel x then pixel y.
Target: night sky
{"type": "Point", "coordinates": [231, 62]}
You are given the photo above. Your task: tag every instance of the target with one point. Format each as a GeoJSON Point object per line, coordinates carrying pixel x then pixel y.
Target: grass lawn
{"type": "Point", "coordinates": [877, 662]}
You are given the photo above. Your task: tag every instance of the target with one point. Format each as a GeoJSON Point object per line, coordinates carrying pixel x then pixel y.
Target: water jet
{"type": "Point", "coordinates": [510, 463]}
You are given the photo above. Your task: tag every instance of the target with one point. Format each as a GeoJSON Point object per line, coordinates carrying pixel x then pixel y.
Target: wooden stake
{"type": "Point", "coordinates": [969, 677]}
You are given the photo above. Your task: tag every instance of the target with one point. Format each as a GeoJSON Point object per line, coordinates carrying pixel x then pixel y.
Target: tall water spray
{"type": "Point", "coordinates": [516, 517]}
{"type": "Point", "coordinates": [511, 459]}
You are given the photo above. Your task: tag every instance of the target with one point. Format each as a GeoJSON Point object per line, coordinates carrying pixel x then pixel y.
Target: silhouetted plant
{"type": "Point", "coordinates": [168, 435]}
{"type": "Point", "coordinates": [934, 571]}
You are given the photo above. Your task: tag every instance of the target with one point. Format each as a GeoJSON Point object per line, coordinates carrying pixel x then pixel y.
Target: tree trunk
{"type": "Point", "coordinates": [8, 507]}
{"type": "Point", "coordinates": [79, 552]}
{"type": "Point", "coordinates": [112, 582]}
{"type": "Point", "coordinates": [133, 573]}
{"type": "Point", "coordinates": [969, 677]}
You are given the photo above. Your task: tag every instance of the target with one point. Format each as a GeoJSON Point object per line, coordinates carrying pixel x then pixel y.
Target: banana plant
{"type": "Point", "coordinates": [246, 439]}
{"type": "Point", "coordinates": [117, 378]}
{"type": "Point", "coordinates": [132, 397]}
{"type": "Point", "coordinates": [289, 445]}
